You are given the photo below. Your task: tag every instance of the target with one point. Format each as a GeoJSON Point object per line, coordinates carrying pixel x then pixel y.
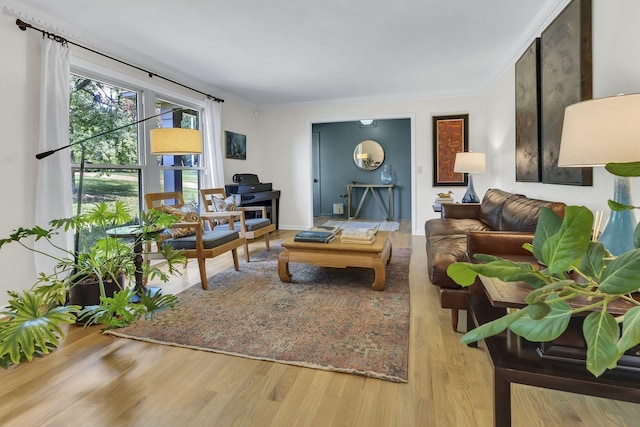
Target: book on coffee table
{"type": "Point", "coordinates": [314, 236]}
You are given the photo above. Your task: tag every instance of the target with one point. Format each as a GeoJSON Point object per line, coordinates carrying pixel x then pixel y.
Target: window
{"type": "Point", "coordinates": [116, 164]}
{"type": "Point", "coordinates": [113, 167]}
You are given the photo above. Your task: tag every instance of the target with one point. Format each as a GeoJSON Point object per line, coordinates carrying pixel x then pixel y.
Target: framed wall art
{"type": "Point", "coordinates": [527, 68]}
{"type": "Point", "coordinates": [566, 68]}
{"type": "Point", "coordinates": [235, 145]}
{"type": "Point", "coordinates": [450, 136]}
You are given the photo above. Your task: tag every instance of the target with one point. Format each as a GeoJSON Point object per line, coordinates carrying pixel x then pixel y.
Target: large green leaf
{"type": "Point", "coordinates": [32, 328]}
{"type": "Point", "coordinates": [465, 273]}
{"type": "Point", "coordinates": [601, 333]}
{"type": "Point", "coordinates": [492, 328]}
{"type": "Point", "coordinates": [630, 330]}
{"type": "Point", "coordinates": [622, 276]}
{"type": "Point", "coordinates": [547, 328]}
{"type": "Point", "coordinates": [568, 245]}
{"type": "Point", "coordinates": [624, 169]}
{"type": "Point", "coordinates": [549, 223]}
{"type": "Point", "coordinates": [592, 263]}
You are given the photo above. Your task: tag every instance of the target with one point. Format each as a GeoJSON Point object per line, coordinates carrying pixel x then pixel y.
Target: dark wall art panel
{"type": "Point", "coordinates": [565, 49]}
{"type": "Point", "coordinates": [528, 165]}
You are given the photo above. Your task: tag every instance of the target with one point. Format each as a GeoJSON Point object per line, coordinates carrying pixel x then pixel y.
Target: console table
{"type": "Point", "coordinates": [516, 360]}
{"type": "Point", "coordinates": [387, 213]}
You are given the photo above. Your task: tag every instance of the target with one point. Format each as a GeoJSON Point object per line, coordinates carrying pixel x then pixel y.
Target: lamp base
{"type": "Point", "coordinates": [470, 196]}
{"type": "Point", "coordinates": [617, 236]}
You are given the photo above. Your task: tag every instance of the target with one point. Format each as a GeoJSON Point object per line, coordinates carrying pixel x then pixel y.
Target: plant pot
{"type": "Point", "coordinates": [87, 292]}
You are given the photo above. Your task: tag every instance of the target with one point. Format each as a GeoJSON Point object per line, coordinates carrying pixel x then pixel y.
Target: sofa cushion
{"type": "Point", "coordinates": [492, 205]}
{"type": "Point", "coordinates": [444, 226]}
{"type": "Point", "coordinates": [521, 213]}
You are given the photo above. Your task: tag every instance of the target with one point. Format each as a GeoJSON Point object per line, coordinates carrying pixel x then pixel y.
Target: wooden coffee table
{"type": "Point", "coordinates": [339, 255]}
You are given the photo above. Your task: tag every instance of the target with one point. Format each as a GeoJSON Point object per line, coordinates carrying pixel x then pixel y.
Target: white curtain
{"type": "Point", "coordinates": [212, 134]}
{"type": "Point", "coordinates": [53, 191]}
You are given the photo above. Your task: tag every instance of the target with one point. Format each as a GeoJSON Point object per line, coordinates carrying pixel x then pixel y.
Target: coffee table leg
{"type": "Point", "coordinates": [283, 266]}
{"type": "Point", "coordinates": [380, 274]}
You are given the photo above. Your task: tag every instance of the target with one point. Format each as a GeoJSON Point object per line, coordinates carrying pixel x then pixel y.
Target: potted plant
{"type": "Point", "coordinates": [562, 246]}
{"type": "Point", "coordinates": [106, 263]}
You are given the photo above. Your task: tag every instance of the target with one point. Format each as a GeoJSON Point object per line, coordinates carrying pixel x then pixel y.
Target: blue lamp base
{"type": "Point", "coordinates": [617, 236]}
{"type": "Point", "coordinates": [470, 196]}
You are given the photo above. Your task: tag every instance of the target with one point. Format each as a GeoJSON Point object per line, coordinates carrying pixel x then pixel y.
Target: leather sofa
{"type": "Point", "coordinates": [500, 224]}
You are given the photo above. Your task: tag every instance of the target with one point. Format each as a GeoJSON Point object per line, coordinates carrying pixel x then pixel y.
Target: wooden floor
{"type": "Point", "coordinates": [96, 380]}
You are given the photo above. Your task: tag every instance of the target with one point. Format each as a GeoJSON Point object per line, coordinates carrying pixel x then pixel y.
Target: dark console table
{"type": "Point", "coordinates": [516, 360]}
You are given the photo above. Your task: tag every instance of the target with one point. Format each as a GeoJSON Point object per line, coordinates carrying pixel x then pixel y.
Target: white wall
{"type": "Point", "coordinates": [616, 69]}
{"type": "Point", "coordinates": [19, 112]}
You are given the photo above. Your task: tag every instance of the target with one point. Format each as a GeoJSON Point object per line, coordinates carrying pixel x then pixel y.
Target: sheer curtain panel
{"type": "Point", "coordinates": [53, 192]}
{"type": "Point", "coordinates": [212, 133]}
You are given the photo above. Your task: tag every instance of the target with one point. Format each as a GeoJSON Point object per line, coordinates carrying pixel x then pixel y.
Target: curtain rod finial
{"type": "Point", "coordinates": [22, 25]}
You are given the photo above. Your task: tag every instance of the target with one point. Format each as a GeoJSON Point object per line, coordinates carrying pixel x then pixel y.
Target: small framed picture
{"type": "Point", "coordinates": [235, 145]}
{"type": "Point", "coordinates": [450, 136]}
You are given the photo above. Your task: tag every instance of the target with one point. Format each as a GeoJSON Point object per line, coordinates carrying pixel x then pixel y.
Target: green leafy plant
{"type": "Point", "coordinates": [35, 316]}
{"type": "Point", "coordinates": [563, 246]}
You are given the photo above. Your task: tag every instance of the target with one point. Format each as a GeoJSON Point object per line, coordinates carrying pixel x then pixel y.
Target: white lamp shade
{"type": "Point", "coordinates": [601, 131]}
{"type": "Point", "coordinates": [176, 141]}
{"type": "Point", "coordinates": [467, 162]}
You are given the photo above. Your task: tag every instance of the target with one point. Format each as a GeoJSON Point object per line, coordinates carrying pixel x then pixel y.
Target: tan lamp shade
{"type": "Point", "coordinates": [467, 162]}
{"type": "Point", "coordinates": [176, 141]}
{"type": "Point", "coordinates": [601, 131]}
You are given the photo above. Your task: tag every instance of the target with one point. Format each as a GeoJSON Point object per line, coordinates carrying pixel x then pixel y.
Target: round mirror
{"type": "Point", "coordinates": [368, 155]}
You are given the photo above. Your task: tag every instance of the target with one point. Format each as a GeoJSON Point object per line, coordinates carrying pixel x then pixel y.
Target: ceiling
{"type": "Point", "coordinates": [282, 52]}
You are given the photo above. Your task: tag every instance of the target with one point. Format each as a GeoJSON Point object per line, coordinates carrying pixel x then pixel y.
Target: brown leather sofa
{"type": "Point", "coordinates": [501, 223]}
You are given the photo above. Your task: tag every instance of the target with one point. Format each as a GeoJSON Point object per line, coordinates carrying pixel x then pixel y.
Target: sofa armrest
{"type": "Point", "coordinates": [507, 244]}
{"type": "Point", "coordinates": [460, 210]}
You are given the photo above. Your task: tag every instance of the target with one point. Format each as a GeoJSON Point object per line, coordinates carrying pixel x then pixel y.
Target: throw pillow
{"type": "Point", "coordinates": [184, 214]}
{"type": "Point", "coordinates": [222, 205]}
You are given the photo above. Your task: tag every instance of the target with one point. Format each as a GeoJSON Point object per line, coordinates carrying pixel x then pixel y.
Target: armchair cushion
{"type": "Point", "coordinates": [252, 224]}
{"type": "Point", "coordinates": [210, 239]}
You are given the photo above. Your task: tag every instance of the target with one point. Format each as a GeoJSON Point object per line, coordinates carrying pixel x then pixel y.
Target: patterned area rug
{"type": "Point", "coordinates": [325, 318]}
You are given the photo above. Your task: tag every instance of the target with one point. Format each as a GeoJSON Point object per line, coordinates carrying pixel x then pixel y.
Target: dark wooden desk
{"type": "Point", "coordinates": [515, 360]}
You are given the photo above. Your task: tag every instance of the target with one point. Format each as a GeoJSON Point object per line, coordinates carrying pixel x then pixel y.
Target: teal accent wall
{"type": "Point", "coordinates": [337, 169]}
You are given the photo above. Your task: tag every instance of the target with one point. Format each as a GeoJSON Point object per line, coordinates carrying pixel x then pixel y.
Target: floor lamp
{"type": "Point", "coordinates": [601, 131]}
{"type": "Point", "coordinates": [470, 163]}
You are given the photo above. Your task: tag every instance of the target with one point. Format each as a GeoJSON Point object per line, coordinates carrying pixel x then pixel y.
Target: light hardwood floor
{"type": "Point", "coordinates": [97, 380]}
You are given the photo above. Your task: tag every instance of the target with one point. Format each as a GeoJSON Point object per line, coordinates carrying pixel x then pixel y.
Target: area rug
{"type": "Point", "coordinates": [325, 318]}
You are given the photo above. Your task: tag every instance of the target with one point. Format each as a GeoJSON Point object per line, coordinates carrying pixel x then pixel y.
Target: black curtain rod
{"type": "Point", "coordinates": [23, 26]}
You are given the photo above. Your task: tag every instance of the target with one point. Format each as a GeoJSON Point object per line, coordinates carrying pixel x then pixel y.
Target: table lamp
{"type": "Point", "coordinates": [470, 163]}
{"type": "Point", "coordinates": [601, 131]}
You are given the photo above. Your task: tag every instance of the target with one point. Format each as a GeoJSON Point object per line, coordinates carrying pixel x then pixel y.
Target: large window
{"type": "Point", "coordinates": [118, 165]}
{"type": "Point", "coordinates": [113, 167]}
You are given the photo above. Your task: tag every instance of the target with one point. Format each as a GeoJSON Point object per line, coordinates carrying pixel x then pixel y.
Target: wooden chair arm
{"type": "Point", "coordinates": [228, 215]}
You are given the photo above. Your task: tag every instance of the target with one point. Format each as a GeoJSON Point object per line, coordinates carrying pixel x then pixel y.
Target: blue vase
{"type": "Point", "coordinates": [617, 236]}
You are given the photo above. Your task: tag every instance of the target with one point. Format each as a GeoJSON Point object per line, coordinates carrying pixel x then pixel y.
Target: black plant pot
{"type": "Point", "coordinates": [87, 292]}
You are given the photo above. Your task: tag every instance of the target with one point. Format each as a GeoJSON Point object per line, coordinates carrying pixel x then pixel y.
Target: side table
{"type": "Point", "coordinates": [516, 360]}
{"type": "Point", "coordinates": [373, 188]}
